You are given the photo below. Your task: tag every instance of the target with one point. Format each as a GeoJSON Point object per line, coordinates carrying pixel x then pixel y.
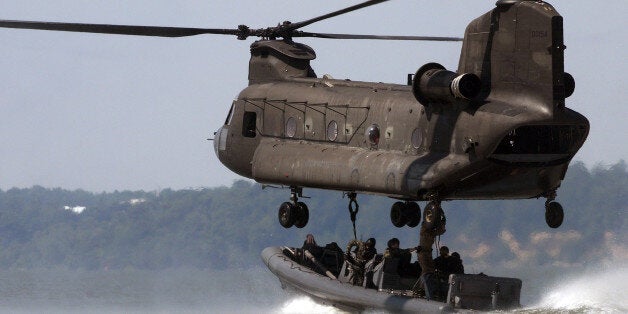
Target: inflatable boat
{"type": "Point", "coordinates": [330, 277]}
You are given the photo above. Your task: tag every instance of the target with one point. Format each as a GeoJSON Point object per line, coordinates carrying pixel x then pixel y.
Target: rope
{"type": "Point", "coordinates": [353, 211]}
{"type": "Point", "coordinates": [437, 243]}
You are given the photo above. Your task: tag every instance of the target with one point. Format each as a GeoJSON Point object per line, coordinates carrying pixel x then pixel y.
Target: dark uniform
{"type": "Point", "coordinates": [310, 245]}
{"type": "Point", "coordinates": [405, 268]}
{"type": "Point", "coordinates": [426, 240]}
{"type": "Point", "coordinates": [442, 263]}
{"type": "Point", "coordinates": [366, 263]}
{"type": "Point", "coordinates": [369, 250]}
{"type": "Point", "coordinates": [455, 264]}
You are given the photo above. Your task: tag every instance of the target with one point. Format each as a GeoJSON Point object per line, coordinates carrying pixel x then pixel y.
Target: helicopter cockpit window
{"type": "Point", "coordinates": [229, 116]}
{"type": "Point", "coordinates": [249, 124]}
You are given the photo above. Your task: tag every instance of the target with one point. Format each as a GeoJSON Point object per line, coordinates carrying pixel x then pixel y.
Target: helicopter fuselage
{"type": "Point", "coordinates": [514, 140]}
{"type": "Point", "coordinates": [317, 133]}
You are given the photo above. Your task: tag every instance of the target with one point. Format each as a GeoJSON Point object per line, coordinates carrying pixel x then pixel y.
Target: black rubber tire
{"type": "Point", "coordinates": [414, 214]}
{"type": "Point", "coordinates": [398, 212]}
{"type": "Point", "coordinates": [286, 214]}
{"type": "Point", "coordinates": [432, 215]}
{"type": "Point", "coordinates": [303, 215]}
{"type": "Point", "coordinates": [554, 214]}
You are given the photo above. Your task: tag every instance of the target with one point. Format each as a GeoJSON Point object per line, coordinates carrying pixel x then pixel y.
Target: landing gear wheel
{"type": "Point", "coordinates": [287, 214]}
{"type": "Point", "coordinates": [554, 214]}
{"type": "Point", "coordinates": [432, 215]}
{"type": "Point", "coordinates": [414, 214]}
{"type": "Point", "coordinates": [303, 215]}
{"type": "Point", "coordinates": [398, 214]}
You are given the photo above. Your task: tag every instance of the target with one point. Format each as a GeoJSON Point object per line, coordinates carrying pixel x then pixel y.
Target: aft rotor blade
{"type": "Point", "coordinates": [158, 31]}
{"type": "Point", "coordinates": [377, 37]}
{"type": "Point", "coordinates": [298, 25]}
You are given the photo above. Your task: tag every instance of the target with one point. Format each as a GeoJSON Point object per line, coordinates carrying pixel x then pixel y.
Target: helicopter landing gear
{"type": "Point", "coordinates": [433, 215]}
{"type": "Point", "coordinates": [554, 213]}
{"type": "Point", "coordinates": [294, 213]}
{"type": "Point", "coordinates": [405, 213]}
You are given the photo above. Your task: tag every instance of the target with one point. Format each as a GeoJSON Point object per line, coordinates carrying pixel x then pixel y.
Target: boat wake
{"type": "Point", "coordinates": [601, 291]}
{"type": "Point", "coordinates": [305, 305]}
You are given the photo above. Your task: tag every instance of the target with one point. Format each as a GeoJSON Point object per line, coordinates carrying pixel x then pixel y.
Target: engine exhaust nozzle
{"type": "Point", "coordinates": [433, 84]}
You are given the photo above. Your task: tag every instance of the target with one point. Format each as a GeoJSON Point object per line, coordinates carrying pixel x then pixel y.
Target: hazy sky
{"type": "Point", "coordinates": [107, 112]}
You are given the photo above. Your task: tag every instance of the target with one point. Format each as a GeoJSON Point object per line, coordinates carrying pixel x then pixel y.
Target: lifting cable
{"type": "Point", "coordinates": [437, 244]}
{"type": "Point", "coordinates": [353, 211]}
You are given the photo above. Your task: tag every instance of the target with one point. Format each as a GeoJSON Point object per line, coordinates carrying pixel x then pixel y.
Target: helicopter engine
{"type": "Point", "coordinates": [432, 83]}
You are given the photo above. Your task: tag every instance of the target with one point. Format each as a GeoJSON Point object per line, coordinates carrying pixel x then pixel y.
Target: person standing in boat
{"type": "Point", "coordinates": [442, 264]}
{"type": "Point", "coordinates": [369, 250]}
{"type": "Point", "coordinates": [368, 262]}
{"type": "Point", "coordinates": [360, 259]}
{"type": "Point", "coordinates": [392, 250]}
{"type": "Point", "coordinates": [427, 236]}
{"type": "Point", "coordinates": [405, 268]}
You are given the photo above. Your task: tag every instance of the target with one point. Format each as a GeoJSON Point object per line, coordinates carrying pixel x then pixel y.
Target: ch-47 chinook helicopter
{"type": "Point", "coordinates": [496, 128]}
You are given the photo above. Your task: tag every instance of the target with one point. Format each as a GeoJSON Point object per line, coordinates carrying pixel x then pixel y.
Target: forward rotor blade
{"type": "Point", "coordinates": [298, 25]}
{"type": "Point", "coordinates": [378, 37]}
{"type": "Point", "coordinates": [158, 31]}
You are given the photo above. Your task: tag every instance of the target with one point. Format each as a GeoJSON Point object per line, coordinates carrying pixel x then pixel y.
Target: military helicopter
{"type": "Point", "coordinates": [495, 128]}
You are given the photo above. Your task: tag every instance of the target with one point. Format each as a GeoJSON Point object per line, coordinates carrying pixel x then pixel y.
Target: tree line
{"type": "Point", "coordinates": [227, 227]}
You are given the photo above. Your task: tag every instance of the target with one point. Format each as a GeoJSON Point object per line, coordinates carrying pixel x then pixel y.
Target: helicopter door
{"type": "Point", "coordinates": [240, 137]}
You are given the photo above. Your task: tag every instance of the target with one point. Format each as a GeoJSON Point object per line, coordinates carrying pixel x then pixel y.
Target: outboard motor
{"type": "Point", "coordinates": [482, 292]}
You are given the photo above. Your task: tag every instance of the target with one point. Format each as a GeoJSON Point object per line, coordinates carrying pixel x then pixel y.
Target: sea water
{"type": "Point", "coordinates": [256, 290]}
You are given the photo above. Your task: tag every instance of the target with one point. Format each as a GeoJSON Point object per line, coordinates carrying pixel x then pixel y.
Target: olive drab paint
{"type": "Point", "coordinates": [514, 139]}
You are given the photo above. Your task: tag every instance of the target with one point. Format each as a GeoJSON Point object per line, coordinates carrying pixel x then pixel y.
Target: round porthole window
{"type": "Point", "coordinates": [332, 130]}
{"type": "Point", "coordinates": [291, 127]}
{"type": "Point", "coordinates": [417, 138]}
{"type": "Point", "coordinates": [372, 134]}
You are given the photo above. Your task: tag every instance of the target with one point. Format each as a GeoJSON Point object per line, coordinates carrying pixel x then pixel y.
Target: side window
{"type": "Point", "coordinates": [248, 124]}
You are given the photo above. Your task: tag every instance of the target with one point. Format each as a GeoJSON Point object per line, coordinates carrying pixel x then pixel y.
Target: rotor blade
{"type": "Point", "coordinates": [298, 25]}
{"type": "Point", "coordinates": [379, 37]}
{"type": "Point", "coordinates": [117, 29]}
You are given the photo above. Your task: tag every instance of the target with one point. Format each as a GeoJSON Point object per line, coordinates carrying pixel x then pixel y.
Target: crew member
{"type": "Point", "coordinates": [309, 240]}
{"type": "Point", "coordinates": [405, 268]}
{"type": "Point", "coordinates": [428, 234]}
{"type": "Point", "coordinates": [310, 245]}
{"type": "Point", "coordinates": [392, 248]}
{"type": "Point", "coordinates": [455, 264]}
{"type": "Point", "coordinates": [361, 260]}
{"type": "Point", "coordinates": [369, 250]}
{"type": "Point", "coordinates": [441, 263]}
